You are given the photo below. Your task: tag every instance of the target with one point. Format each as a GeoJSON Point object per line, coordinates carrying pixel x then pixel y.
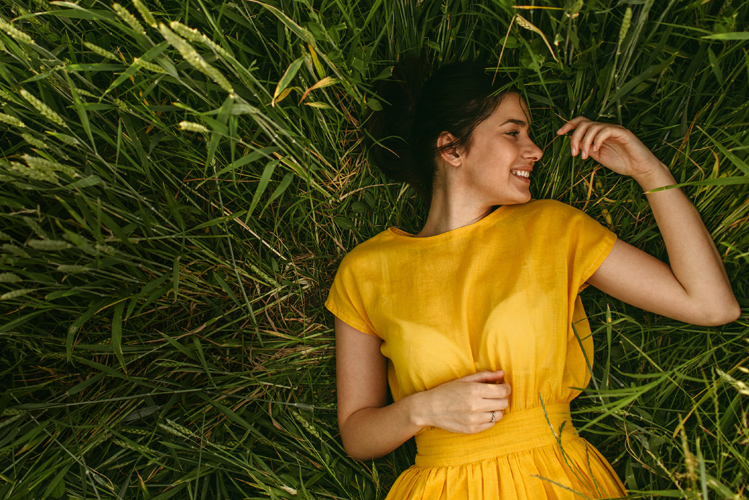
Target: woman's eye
{"type": "Point", "coordinates": [514, 134]}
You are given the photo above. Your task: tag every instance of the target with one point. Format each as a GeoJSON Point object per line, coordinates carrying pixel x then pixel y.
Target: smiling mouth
{"type": "Point", "coordinates": [523, 174]}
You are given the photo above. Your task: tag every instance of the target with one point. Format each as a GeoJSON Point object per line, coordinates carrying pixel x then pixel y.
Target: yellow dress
{"type": "Point", "coordinates": [501, 293]}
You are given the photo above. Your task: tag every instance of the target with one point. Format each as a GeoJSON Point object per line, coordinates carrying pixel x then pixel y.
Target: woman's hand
{"type": "Point", "coordinates": [371, 428]}
{"type": "Point", "coordinates": [612, 146]}
{"type": "Point", "coordinates": [464, 405]}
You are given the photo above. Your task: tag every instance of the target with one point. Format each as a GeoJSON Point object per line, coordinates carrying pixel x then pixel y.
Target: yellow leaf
{"type": "Point", "coordinates": [530, 26]}
{"type": "Point", "coordinates": [325, 82]}
{"type": "Point", "coordinates": [281, 96]}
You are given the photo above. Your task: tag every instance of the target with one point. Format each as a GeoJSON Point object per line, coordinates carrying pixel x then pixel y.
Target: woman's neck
{"type": "Point", "coordinates": [451, 210]}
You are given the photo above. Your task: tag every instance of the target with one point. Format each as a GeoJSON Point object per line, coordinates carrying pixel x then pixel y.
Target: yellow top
{"type": "Point", "coordinates": [501, 293]}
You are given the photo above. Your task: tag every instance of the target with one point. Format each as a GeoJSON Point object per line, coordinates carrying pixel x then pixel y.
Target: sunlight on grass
{"type": "Point", "coordinates": [179, 181]}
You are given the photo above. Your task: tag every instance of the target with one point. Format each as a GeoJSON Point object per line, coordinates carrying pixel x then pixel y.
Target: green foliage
{"type": "Point", "coordinates": [179, 180]}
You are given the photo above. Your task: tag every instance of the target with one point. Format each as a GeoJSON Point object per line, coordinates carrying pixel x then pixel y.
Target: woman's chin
{"type": "Point", "coordinates": [518, 199]}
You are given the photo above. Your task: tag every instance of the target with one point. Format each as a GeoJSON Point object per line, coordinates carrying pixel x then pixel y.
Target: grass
{"type": "Point", "coordinates": [162, 282]}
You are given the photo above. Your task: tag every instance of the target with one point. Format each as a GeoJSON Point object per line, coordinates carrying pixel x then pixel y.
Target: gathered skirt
{"type": "Point", "coordinates": [531, 454]}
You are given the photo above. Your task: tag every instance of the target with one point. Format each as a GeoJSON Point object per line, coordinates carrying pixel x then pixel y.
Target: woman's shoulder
{"type": "Point", "coordinates": [366, 254]}
{"type": "Point", "coordinates": [548, 209]}
{"type": "Point", "coordinates": [554, 217]}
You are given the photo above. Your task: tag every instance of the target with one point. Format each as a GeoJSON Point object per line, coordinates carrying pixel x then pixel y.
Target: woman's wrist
{"type": "Point", "coordinates": [417, 402]}
{"type": "Point", "coordinates": [655, 177]}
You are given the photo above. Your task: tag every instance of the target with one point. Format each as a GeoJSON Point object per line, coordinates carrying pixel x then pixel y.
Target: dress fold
{"type": "Point", "coordinates": [537, 455]}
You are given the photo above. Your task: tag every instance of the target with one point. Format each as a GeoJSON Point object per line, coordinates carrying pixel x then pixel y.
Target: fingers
{"type": "Point", "coordinates": [588, 136]}
{"type": "Point", "coordinates": [578, 135]}
{"type": "Point", "coordinates": [481, 421]}
{"type": "Point", "coordinates": [495, 416]}
{"type": "Point", "coordinates": [485, 377]}
{"type": "Point", "coordinates": [591, 134]}
{"type": "Point", "coordinates": [486, 398]}
{"type": "Point", "coordinates": [570, 125]}
{"type": "Point", "coordinates": [602, 136]}
{"type": "Point", "coordinates": [499, 391]}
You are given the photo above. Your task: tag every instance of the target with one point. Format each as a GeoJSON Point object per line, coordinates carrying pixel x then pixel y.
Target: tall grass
{"type": "Point", "coordinates": [176, 198]}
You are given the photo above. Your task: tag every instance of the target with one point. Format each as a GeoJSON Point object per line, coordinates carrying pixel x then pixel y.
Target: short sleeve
{"type": "Point", "coordinates": [345, 298]}
{"type": "Point", "coordinates": [589, 245]}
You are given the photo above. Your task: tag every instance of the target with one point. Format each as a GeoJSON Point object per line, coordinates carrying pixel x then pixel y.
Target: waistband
{"type": "Point", "coordinates": [517, 431]}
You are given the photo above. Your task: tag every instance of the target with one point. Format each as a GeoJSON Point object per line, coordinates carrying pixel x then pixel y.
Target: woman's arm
{"type": "Point", "coordinates": [694, 288]}
{"type": "Point", "coordinates": [371, 428]}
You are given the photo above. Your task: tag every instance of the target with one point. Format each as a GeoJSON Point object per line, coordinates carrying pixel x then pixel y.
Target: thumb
{"type": "Point", "coordinates": [485, 377]}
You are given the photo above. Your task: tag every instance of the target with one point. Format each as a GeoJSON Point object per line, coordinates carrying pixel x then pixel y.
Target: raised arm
{"type": "Point", "coordinates": [694, 288]}
{"type": "Point", "coordinates": [371, 428]}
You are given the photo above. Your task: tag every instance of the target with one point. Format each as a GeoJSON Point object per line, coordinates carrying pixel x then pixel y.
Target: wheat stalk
{"type": "Point", "coordinates": [13, 249]}
{"type": "Point", "coordinates": [65, 268]}
{"type": "Point", "coordinates": [49, 245]}
{"type": "Point", "coordinates": [192, 127]}
{"type": "Point", "coordinates": [624, 29]}
{"type": "Point", "coordinates": [129, 19]}
{"type": "Point", "coordinates": [15, 33]}
{"type": "Point", "coordinates": [102, 52]}
{"type": "Point", "coordinates": [16, 293]}
{"type": "Point", "coordinates": [11, 120]}
{"type": "Point", "coordinates": [148, 65]}
{"type": "Point", "coordinates": [33, 173]}
{"type": "Point", "coordinates": [145, 13]}
{"type": "Point", "coordinates": [196, 36]}
{"type": "Point", "coordinates": [7, 96]}
{"type": "Point", "coordinates": [36, 227]}
{"type": "Point", "coordinates": [42, 108]}
{"type": "Point", "coordinates": [33, 141]}
{"type": "Point", "coordinates": [190, 55]}
{"type": "Point", "coordinates": [50, 166]}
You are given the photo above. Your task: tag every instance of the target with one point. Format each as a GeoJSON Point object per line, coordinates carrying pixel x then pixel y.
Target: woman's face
{"type": "Point", "coordinates": [501, 155]}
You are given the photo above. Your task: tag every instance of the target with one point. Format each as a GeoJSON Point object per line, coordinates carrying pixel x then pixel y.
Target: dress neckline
{"type": "Point", "coordinates": [480, 222]}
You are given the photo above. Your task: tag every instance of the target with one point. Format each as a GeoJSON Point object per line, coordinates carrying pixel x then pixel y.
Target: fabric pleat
{"type": "Point", "coordinates": [540, 473]}
{"type": "Point", "coordinates": [532, 454]}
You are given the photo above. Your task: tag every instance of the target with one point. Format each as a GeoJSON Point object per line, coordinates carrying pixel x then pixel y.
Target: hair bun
{"type": "Point", "coordinates": [390, 128]}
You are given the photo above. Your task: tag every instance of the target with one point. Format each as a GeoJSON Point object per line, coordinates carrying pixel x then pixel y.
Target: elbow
{"type": "Point", "coordinates": [733, 313]}
{"type": "Point", "coordinates": [356, 456]}
{"type": "Point", "coordinates": [351, 445]}
{"type": "Point", "coordinates": [717, 316]}
{"type": "Point", "coordinates": [354, 452]}
{"type": "Point", "coordinates": [350, 450]}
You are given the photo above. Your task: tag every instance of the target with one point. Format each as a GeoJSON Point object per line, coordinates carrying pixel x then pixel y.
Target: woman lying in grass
{"type": "Point", "coordinates": [475, 320]}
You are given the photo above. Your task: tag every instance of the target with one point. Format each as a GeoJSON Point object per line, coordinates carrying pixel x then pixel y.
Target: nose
{"type": "Point", "coordinates": [532, 152]}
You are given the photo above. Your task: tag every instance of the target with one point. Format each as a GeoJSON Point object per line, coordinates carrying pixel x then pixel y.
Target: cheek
{"type": "Point", "coordinates": [493, 159]}
{"type": "Point", "coordinates": [503, 156]}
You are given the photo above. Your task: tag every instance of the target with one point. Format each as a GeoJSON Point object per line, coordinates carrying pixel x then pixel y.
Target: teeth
{"type": "Point", "coordinates": [522, 173]}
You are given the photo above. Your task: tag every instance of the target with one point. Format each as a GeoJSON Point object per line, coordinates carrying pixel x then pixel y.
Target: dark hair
{"type": "Point", "coordinates": [454, 99]}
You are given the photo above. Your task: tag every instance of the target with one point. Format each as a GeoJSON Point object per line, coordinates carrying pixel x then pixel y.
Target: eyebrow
{"type": "Point", "coordinates": [516, 122]}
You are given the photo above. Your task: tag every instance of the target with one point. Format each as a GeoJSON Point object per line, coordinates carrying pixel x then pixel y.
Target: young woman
{"type": "Point", "coordinates": [475, 320]}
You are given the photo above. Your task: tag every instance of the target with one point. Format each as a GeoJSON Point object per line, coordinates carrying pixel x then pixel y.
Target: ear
{"type": "Point", "coordinates": [450, 155]}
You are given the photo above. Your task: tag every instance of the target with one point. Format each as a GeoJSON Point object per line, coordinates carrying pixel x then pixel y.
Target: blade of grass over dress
{"type": "Point", "coordinates": [501, 293]}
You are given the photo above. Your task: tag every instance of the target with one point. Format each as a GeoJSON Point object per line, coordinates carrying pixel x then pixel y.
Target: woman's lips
{"type": "Point", "coordinates": [523, 175]}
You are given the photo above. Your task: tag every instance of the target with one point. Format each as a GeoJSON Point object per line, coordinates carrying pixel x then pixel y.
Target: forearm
{"type": "Point", "coordinates": [374, 432]}
{"type": "Point", "coordinates": [694, 259]}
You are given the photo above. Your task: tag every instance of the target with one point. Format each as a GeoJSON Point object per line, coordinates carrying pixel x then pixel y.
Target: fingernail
{"type": "Point", "coordinates": [584, 155]}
